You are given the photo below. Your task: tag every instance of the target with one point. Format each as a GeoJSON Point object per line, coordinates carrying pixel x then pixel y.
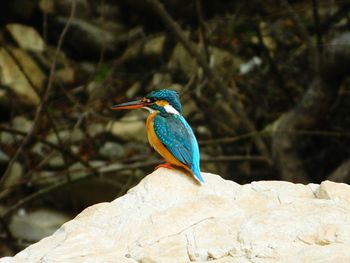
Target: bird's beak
{"type": "Point", "coordinates": [137, 104]}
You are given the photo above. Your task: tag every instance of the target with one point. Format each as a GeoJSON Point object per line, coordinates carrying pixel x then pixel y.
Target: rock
{"type": "Point", "coordinates": [222, 60]}
{"type": "Point", "coordinates": [6, 138]}
{"type": "Point", "coordinates": [95, 90]}
{"type": "Point", "coordinates": [167, 217]}
{"type": "Point", "coordinates": [65, 72]}
{"type": "Point", "coordinates": [36, 225]}
{"type": "Point", "coordinates": [40, 148]}
{"type": "Point", "coordinates": [65, 75]}
{"type": "Point", "coordinates": [112, 150]}
{"type": "Point", "coordinates": [95, 129]}
{"type": "Point", "coordinates": [12, 77]}
{"type": "Point", "coordinates": [57, 161]}
{"type": "Point", "coordinates": [87, 68]}
{"type": "Point", "coordinates": [26, 37]}
{"type": "Point", "coordinates": [16, 173]}
{"type": "Point", "coordinates": [267, 39]}
{"type": "Point", "coordinates": [22, 124]}
{"type": "Point", "coordinates": [330, 190]}
{"type": "Point", "coordinates": [87, 40]}
{"type": "Point", "coordinates": [45, 178]}
{"type": "Point", "coordinates": [154, 46]}
{"type": "Point", "coordinates": [3, 157]}
{"type": "Point", "coordinates": [143, 50]}
{"type": "Point", "coordinates": [131, 127]}
{"type": "Point", "coordinates": [74, 135]}
{"type": "Point", "coordinates": [180, 59]}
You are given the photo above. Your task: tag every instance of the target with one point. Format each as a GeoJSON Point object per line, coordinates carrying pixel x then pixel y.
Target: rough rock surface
{"type": "Point", "coordinates": [167, 217]}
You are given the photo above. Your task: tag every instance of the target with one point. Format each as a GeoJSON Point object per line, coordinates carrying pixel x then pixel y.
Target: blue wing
{"type": "Point", "coordinates": [177, 136]}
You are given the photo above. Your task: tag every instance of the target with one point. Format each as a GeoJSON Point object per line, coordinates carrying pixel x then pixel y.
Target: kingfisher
{"type": "Point", "coordinates": [167, 130]}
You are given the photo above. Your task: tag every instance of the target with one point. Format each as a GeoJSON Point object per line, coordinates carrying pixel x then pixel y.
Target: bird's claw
{"type": "Point", "coordinates": [164, 165]}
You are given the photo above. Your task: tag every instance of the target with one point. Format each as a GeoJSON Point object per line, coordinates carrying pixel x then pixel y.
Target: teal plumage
{"type": "Point", "coordinates": [168, 131]}
{"type": "Point", "coordinates": [177, 136]}
{"type": "Point", "coordinates": [170, 96]}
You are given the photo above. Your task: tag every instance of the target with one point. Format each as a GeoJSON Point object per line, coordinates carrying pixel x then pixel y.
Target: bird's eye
{"type": "Point", "coordinates": [150, 100]}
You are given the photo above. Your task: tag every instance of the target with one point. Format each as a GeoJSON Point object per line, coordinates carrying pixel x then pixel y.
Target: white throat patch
{"type": "Point", "coordinates": [170, 109]}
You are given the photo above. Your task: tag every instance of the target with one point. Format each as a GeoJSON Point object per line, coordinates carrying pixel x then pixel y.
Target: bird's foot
{"type": "Point", "coordinates": [164, 165]}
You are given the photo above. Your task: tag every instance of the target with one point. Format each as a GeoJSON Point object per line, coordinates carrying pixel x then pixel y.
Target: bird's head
{"type": "Point", "coordinates": [164, 101]}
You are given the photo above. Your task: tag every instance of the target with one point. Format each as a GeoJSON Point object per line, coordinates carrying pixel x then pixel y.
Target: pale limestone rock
{"type": "Point", "coordinates": [12, 76]}
{"type": "Point", "coordinates": [168, 217]}
{"type": "Point", "coordinates": [26, 37]}
{"type": "Point", "coordinates": [130, 127]}
{"type": "Point", "coordinates": [331, 190]}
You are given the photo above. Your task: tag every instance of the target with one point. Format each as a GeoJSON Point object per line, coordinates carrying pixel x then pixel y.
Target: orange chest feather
{"type": "Point", "coordinates": [157, 144]}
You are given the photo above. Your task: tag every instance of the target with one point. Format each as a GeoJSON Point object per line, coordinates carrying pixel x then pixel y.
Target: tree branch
{"type": "Point", "coordinates": [63, 151]}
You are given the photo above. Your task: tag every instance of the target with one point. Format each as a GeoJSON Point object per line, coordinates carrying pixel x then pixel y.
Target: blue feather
{"type": "Point", "coordinates": [170, 96]}
{"type": "Point", "coordinates": [177, 136]}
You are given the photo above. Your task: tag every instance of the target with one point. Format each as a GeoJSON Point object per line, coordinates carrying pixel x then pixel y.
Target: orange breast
{"type": "Point", "coordinates": [158, 145]}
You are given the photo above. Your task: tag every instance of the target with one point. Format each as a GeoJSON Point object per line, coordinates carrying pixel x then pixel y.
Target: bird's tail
{"type": "Point", "coordinates": [197, 174]}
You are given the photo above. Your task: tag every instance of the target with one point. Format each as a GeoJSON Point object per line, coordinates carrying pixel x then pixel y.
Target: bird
{"type": "Point", "coordinates": [168, 132]}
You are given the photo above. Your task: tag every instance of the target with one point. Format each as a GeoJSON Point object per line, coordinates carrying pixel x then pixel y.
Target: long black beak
{"type": "Point", "coordinates": [137, 104]}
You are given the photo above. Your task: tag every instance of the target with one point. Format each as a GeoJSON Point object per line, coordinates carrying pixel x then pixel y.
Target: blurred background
{"type": "Point", "coordinates": [264, 84]}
